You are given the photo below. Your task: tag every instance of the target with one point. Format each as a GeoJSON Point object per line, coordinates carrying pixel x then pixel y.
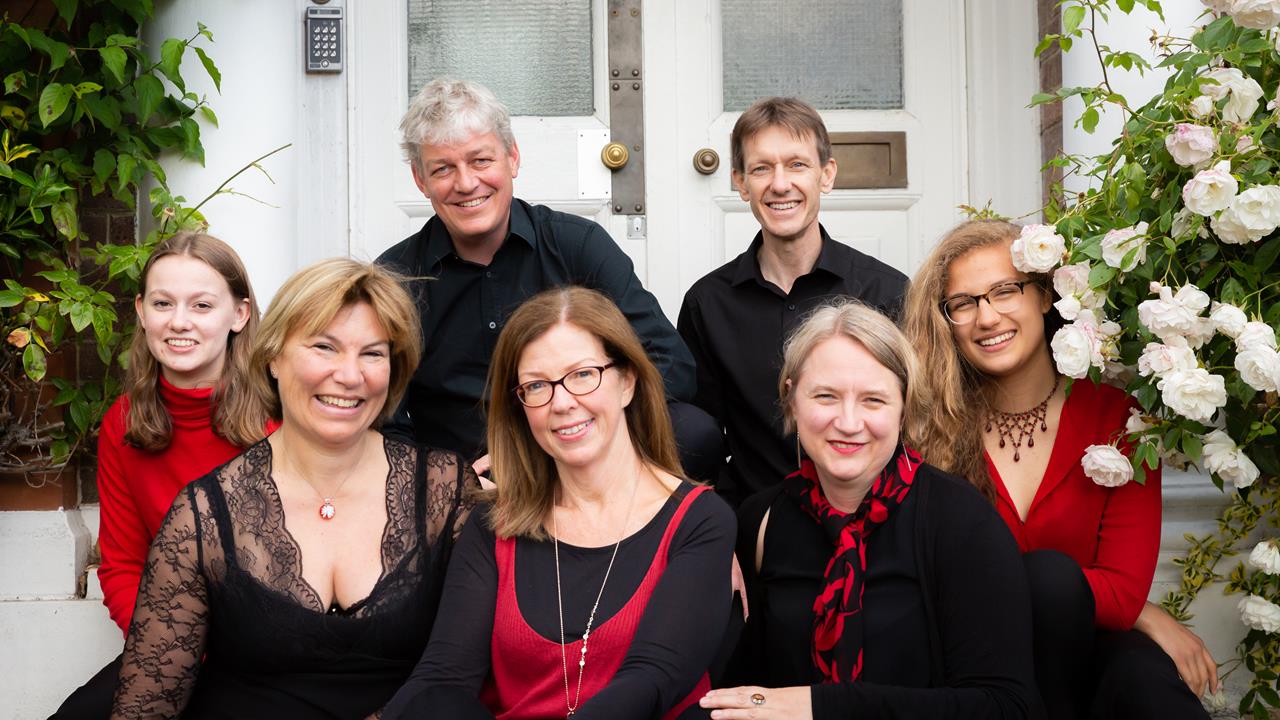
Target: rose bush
{"type": "Point", "coordinates": [1165, 267]}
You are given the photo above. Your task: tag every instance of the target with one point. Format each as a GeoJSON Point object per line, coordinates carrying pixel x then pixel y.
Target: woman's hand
{"type": "Point", "coordinates": [1195, 664]}
{"type": "Point", "coordinates": [757, 703]}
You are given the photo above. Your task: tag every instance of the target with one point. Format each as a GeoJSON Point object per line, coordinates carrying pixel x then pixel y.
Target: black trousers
{"type": "Point", "coordinates": [1084, 672]}
{"type": "Point", "coordinates": [92, 700]}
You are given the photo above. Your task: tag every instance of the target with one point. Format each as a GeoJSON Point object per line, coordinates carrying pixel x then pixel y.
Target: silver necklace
{"type": "Point", "coordinates": [572, 707]}
{"type": "Point", "coordinates": [327, 509]}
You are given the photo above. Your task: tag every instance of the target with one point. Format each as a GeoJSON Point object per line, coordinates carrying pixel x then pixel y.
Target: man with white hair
{"type": "Point", "coordinates": [484, 252]}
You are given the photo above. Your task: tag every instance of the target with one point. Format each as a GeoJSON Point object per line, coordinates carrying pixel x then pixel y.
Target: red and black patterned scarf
{"type": "Point", "coordinates": [837, 624]}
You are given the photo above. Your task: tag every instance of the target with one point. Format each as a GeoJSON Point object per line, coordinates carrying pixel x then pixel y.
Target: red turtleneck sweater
{"type": "Point", "coordinates": [136, 487]}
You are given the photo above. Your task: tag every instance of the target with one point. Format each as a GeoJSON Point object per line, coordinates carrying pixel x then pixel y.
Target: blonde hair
{"type": "Point", "coordinates": [948, 433]}
{"type": "Point", "coordinates": [310, 299]}
{"type": "Point", "coordinates": [848, 318]}
{"type": "Point", "coordinates": [525, 474]}
{"type": "Point", "coordinates": [237, 416]}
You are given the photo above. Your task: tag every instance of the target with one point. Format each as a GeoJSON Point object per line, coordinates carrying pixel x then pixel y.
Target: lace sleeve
{"type": "Point", "coordinates": [167, 635]}
{"type": "Point", "coordinates": [451, 489]}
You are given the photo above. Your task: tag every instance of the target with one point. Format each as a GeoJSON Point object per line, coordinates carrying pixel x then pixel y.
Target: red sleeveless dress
{"type": "Point", "coordinates": [528, 675]}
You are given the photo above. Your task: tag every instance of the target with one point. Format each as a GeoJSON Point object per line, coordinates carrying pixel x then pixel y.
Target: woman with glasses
{"type": "Point", "coordinates": [1001, 416]}
{"type": "Point", "coordinates": [595, 583]}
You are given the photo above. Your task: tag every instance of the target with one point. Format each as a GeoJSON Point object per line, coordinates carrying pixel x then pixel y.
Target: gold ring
{"type": "Point", "coordinates": [757, 699]}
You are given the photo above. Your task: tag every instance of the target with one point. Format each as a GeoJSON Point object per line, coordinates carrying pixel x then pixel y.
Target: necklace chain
{"type": "Point", "coordinates": [327, 509]}
{"type": "Point", "coordinates": [572, 707]}
{"type": "Point", "coordinates": [1019, 426]}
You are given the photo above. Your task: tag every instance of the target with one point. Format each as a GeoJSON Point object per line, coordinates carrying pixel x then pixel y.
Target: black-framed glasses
{"type": "Point", "coordinates": [1003, 298]}
{"type": "Point", "coordinates": [579, 381]}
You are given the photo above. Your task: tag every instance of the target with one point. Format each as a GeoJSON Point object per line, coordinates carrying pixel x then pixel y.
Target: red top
{"type": "Point", "coordinates": [136, 487]}
{"type": "Point", "coordinates": [1113, 533]}
{"type": "Point", "coordinates": [528, 670]}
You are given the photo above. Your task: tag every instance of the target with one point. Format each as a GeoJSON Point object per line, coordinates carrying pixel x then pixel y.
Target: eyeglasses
{"type": "Point", "coordinates": [580, 381]}
{"type": "Point", "coordinates": [1003, 298]}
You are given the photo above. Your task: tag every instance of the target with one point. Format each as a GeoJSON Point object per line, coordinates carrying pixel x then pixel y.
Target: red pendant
{"type": "Point", "coordinates": [327, 510]}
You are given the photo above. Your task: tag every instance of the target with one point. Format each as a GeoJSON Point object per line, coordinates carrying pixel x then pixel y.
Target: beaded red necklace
{"type": "Point", "coordinates": [1019, 426]}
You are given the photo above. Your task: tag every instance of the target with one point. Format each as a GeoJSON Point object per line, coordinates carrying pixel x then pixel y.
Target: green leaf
{"type": "Point", "coordinates": [81, 315]}
{"type": "Point", "coordinates": [114, 60]}
{"type": "Point", "coordinates": [208, 114]}
{"type": "Point", "coordinates": [1042, 98]}
{"type": "Point", "coordinates": [105, 109]}
{"type": "Point", "coordinates": [10, 298]}
{"type": "Point", "coordinates": [1071, 19]}
{"type": "Point", "coordinates": [66, 9]}
{"type": "Point", "coordinates": [149, 90]}
{"type": "Point", "coordinates": [125, 165]}
{"type": "Point", "coordinates": [14, 81]}
{"type": "Point", "coordinates": [1125, 5]}
{"type": "Point", "coordinates": [53, 102]}
{"type": "Point", "coordinates": [78, 411]}
{"type": "Point", "coordinates": [210, 68]}
{"type": "Point", "coordinates": [191, 146]}
{"type": "Point", "coordinates": [1266, 256]}
{"type": "Point", "coordinates": [1089, 120]}
{"type": "Point", "coordinates": [64, 218]}
{"type": "Point", "coordinates": [1100, 275]}
{"type": "Point", "coordinates": [171, 61]}
{"type": "Point", "coordinates": [84, 88]}
{"type": "Point", "coordinates": [33, 362]}
{"type": "Point", "coordinates": [103, 163]}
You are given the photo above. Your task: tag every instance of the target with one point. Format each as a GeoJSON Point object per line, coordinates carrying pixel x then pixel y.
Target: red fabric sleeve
{"type": "Point", "coordinates": [1128, 540]}
{"type": "Point", "coordinates": [122, 536]}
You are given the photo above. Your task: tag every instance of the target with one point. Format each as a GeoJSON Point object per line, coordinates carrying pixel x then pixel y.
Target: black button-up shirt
{"type": "Point", "coordinates": [464, 306]}
{"type": "Point", "coordinates": [735, 322]}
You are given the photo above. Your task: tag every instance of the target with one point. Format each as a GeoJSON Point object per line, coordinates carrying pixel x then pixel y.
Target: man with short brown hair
{"type": "Point", "coordinates": [736, 318]}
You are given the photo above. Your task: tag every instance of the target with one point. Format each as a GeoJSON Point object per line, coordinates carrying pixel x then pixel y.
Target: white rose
{"type": "Point", "coordinates": [1194, 394]}
{"type": "Point", "coordinates": [1106, 465]}
{"type": "Point", "coordinates": [1227, 318]}
{"type": "Point", "coordinates": [1137, 422]}
{"type": "Point", "coordinates": [1244, 144]}
{"type": "Point", "coordinates": [1218, 6]}
{"type": "Point", "coordinates": [1202, 331]}
{"type": "Point", "coordinates": [1071, 282]}
{"type": "Point", "coordinates": [1231, 229]}
{"type": "Point", "coordinates": [1242, 93]}
{"type": "Point", "coordinates": [1210, 190]}
{"type": "Point", "coordinates": [1259, 613]}
{"type": "Point", "coordinates": [1265, 557]}
{"type": "Point", "coordinates": [1191, 145]}
{"type": "Point", "coordinates": [1201, 107]}
{"type": "Point", "coordinates": [1259, 367]}
{"type": "Point", "coordinates": [1251, 216]}
{"type": "Point", "coordinates": [1171, 315]}
{"type": "Point", "coordinates": [1072, 351]}
{"type": "Point", "coordinates": [1223, 457]}
{"type": "Point", "coordinates": [1256, 14]}
{"type": "Point", "coordinates": [1068, 307]}
{"type": "Point", "coordinates": [1117, 243]}
{"type": "Point", "coordinates": [1255, 334]}
{"type": "Point", "coordinates": [1159, 359]}
{"type": "Point", "coordinates": [1039, 248]}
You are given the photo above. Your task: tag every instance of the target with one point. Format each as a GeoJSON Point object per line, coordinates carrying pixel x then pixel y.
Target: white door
{"type": "Point", "coordinates": [694, 222]}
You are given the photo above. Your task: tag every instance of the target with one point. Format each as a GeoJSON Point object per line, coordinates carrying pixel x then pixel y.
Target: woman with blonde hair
{"type": "Point", "coordinates": [300, 578]}
{"type": "Point", "coordinates": [1002, 418]}
{"type": "Point", "coordinates": [596, 582]}
{"type": "Point", "coordinates": [880, 586]}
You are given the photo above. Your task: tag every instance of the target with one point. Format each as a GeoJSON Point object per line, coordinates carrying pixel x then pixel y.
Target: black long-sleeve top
{"type": "Point", "coordinates": [946, 614]}
{"type": "Point", "coordinates": [682, 626]}
{"type": "Point", "coordinates": [465, 305]}
{"type": "Point", "coordinates": [735, 322]}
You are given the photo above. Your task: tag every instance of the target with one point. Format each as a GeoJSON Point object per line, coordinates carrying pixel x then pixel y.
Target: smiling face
{"type": "Point", "coordinates": [997, 343]}
{"type": "Point", "coordinates": [783, 181]}
{"type": "Point", "coordinates": [187, 313]}
{"type": "Point", "coordinates": [333, 384]}
{"type": "Point", "coordinates": [469, 186]}
{"type": "Point", "coordinates": [848, 412]}
{"type": "Point", "coordinates": [576, 430]}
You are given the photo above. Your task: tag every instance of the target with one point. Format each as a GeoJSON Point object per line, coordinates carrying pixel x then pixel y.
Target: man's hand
{"type": "Point", "coordinates": [481, 466]}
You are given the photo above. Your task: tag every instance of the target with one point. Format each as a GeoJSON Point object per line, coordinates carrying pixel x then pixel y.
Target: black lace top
{"type": "Point", "coordinates": [226, 626]}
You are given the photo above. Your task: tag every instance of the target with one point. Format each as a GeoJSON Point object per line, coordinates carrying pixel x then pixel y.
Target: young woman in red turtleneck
{"type": "Point", "coordinates": [185, 411]}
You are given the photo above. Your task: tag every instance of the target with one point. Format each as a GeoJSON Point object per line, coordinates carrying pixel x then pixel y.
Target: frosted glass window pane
{"type": "Point", "coordinates": [834, 54]}
{"type": "Point", "coordinates": [535, 55]}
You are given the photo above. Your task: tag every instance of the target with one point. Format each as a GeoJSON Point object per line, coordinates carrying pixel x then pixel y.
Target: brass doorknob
{"type": "Point", "coordinates": [706, 161]}
{"type": "Point", "coordinates": [614, 155]}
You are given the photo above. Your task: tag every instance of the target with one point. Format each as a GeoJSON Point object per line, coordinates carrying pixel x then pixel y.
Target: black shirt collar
{"type": "Point", "coordinates": [440, 245]}
{"type": "Point", "coordinates": [748, 267]}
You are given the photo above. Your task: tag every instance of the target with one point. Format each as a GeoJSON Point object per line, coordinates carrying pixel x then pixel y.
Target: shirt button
{"type": "Point", "coordinates": [791, 306]}
{"type": "Point", "coordinates": [488, 273]}
{"type": "Point", "coordinates": [492, 325]}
